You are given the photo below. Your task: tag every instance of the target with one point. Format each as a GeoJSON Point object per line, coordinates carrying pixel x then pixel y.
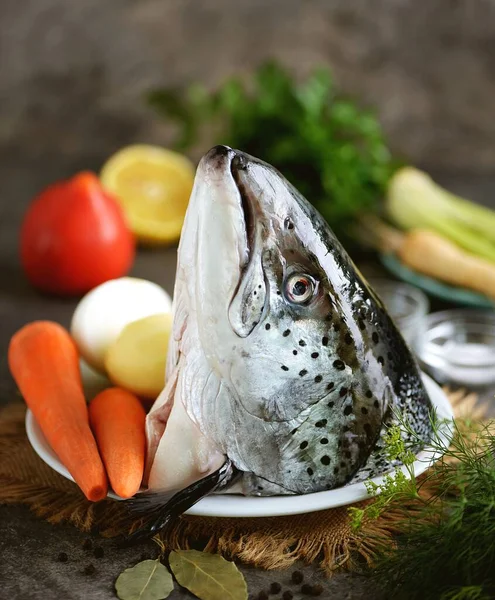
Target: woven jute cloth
{"type": "Point", "coordinates": [271, 543]}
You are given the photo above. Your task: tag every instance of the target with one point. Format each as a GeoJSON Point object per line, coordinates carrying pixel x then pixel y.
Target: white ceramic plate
{"type": "Point", "coordinates": [230, 505]}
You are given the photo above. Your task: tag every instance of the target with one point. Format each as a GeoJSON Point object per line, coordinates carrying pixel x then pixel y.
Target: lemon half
{"type": "Point", "coordinates": [153, 185]}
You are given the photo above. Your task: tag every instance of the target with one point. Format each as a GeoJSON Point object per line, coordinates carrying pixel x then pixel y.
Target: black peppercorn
{"type": "Point", "coordinates": [297, 577]}
{"type": "Point", "coordinates": [307, 589]}
{"type": "Point", "coordinates": [287, 595]}
{"type": "Point", "coordinates": [317, 590]}
{"type": "Point", "coordinates": [275, 587]}
{"type": "Point", "coordinates": [98, 552]}
{"type": "Point", "coordinates": [62, 557]}
{"type": "Point", "coordinates": [89, 570]}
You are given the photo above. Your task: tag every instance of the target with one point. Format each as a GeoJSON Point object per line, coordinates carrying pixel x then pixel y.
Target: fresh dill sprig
{"type": "Point", "coordinates": [446, 547]}
{"type": "Point", "coordinates": [401, 484]}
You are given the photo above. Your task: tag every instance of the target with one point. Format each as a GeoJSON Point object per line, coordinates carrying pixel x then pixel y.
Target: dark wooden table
{"type": "Point", "coordinates": [29, 546]}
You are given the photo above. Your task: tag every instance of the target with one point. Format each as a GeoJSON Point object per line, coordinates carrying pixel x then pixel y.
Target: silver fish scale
{"type": "Point", "coordinates": [326, 450]}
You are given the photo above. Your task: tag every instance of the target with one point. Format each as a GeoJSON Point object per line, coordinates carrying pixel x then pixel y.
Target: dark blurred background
{"type": "Point", "coordinates": [74, 75]}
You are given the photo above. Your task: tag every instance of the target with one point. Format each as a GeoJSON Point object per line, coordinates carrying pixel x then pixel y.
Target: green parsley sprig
{"type": "Point", "coordinates": [331, 149]}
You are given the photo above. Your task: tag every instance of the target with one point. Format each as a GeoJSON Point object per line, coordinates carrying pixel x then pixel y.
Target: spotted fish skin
{"type": "Point", "coordinates": [296, 394]}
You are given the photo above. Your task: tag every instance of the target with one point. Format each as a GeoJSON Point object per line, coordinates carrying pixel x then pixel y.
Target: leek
{"type": "Point", "coordinates": [415, 201]}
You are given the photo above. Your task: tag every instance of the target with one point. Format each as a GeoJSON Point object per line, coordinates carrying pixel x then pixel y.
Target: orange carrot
{"type": "Point", "coordinates": [117, 418]}
{"type": "Point", "coordinates": [44, 362]}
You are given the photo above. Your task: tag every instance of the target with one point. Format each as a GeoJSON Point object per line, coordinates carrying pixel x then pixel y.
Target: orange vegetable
{"type": "Point", "coordinates": [44, 362]}
{"type": "Point", "coordinates": [117, 418]}
{"type": "Point", "coordinates": [429, 253]}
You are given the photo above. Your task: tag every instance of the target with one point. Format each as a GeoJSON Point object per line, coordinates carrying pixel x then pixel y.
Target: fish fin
{"type": "Point", "coordinates": [148, 502]}
{"type": "Point", "coordinates": [162, 508]}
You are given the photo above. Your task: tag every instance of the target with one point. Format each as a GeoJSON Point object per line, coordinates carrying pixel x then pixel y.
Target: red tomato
{"type": "Point", "coordinates": [74, 237]}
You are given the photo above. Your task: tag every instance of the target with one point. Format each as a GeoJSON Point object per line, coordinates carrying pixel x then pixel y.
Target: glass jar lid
{"type": "Point", "coordinates": [458, 346]}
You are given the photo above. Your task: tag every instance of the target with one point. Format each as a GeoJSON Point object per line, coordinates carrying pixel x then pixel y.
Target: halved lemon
{"type": "Point", "coordinates": [153, 186]}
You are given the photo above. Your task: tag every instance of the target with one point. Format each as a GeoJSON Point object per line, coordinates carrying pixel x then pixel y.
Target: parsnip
{"type": "Point", "coordinates": [428, 253]}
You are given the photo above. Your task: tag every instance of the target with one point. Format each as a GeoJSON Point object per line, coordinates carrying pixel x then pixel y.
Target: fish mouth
{"type": "Point", "coordinates": [225, 160]}
{"type": "Point", "coordinates": [238, 165]}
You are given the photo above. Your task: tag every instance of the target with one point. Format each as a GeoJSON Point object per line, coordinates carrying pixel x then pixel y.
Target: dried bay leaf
{"type": "Point", "coordinates": [208, 576]}
{"type": "Point", "coordinates": [148, 580]}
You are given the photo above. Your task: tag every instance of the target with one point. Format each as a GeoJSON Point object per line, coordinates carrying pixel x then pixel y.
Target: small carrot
{"type": "Point", "coordinates": [117, 419]}
{"type": "Point", "coordinates": [44, 362]}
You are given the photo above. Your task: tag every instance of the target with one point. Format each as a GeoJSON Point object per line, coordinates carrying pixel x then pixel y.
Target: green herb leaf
{"type": "Point", "coordinates": [445, 546]}
{"type": "Point", "coordinates": [148, 580]}
{"type": "Point", "coordinates": [332, 150]}
{"type": "Point", "coordinates": [208, 576]}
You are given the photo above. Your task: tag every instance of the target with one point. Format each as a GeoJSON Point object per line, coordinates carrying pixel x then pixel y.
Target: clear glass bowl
{"type": "Point", "coordinates": [407, 306]}
{"type": "Point", "coordinates": [458, 346]}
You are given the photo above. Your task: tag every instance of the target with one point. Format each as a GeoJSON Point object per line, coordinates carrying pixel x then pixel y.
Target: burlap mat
{"type": "Point", "coordinates": [269, 543]}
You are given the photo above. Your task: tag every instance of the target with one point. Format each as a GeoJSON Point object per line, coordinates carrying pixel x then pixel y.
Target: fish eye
{"type": "Point", "coordinates": [299, 288]}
